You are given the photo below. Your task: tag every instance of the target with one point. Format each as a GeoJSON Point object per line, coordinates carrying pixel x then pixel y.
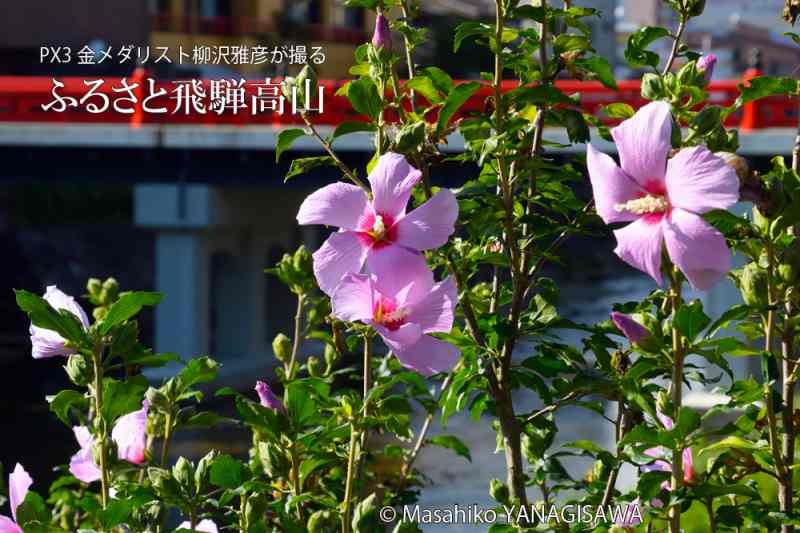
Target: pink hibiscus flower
{"type": "Point", "coordinates": [268, 399]}
{"type": "Point", "coordinates": [663, 198]}
{"type": "Point", "coordinates": [376, 228]}
{"type": "Point", "coordinates": [129, 434]}
{"type": "Point", "coordinates": [403, 307]}
{"type": "Point", "coordinates": [47, 343]}
{"type": "Point", "coordinates": [659, 452]}
{"type": "Point", "coordinates": [19, 481]}
{"type": "Point", "coordinates": [632, 330]}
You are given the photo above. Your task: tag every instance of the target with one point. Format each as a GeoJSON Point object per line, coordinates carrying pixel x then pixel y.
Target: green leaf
{"type": "Point", "coordinates": [128, 305]}
{"type": "Point", "coordinates": [285, 140]}
{"type": "Point", "coordinates": [735, 313]}
{"type": "Point", "coordinates": [636, 52]}
{"type": "Point", "coordinates": [441, 79]}
{"type": "Point", "coordinates": [733, 442]}
{"type": "Point", "coordinates": [690, 320]}
{"type": "Point", "coordinates": [365, 516]}
{"type": "Point", "coordinates": [454, 443]}
{"type": "Point", "coordinates": [469, 29]}
{"type": "Point", "coordinates": [455, 100]}
{"type": "Point", "coordinates": [116, 513]}
{"type": "Point", "coordinates": [300, 401]}
{"type": "Point", "coordinates": [122, 397]}
{"type": "Point", "coordinates": [601, 68]}
{"type": "Point", "coordinates": [763, 87]}
{"type": "Point", "coordinates": [44, 316]}
{"type": "Point", "coordinates": [346, 128]}
{"type": "Point", "coordinates": [66, 400]}
{"type": "Point", "coordinates": [619, 110]}
{"type": "Point", "coordinates": [205, 419]}
{"type": "Point", "coordinates": [364, 97]}
{"type": "Point", "coordinates": [424, 85]}
{"type": "Point", "coordinates": [306, 164]}
{"type": "Point", "coordinates": [198, 370]}
{"type": "Point", "coordinates": [226, 472]}
{"type": "Point", "coordinates": [32, 511]}
{"type": "Point", "coordinates": [540, 95]}
{"type": "Point", "coordinates": [308, 466]}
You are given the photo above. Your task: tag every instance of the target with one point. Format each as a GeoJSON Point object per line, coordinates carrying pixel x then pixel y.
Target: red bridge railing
{"type": "Point", "coordinates": [22, 98]}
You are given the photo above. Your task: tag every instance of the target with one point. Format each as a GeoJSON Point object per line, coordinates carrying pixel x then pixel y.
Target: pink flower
{"type": "Point", "coordinates": [207, 526]}
{"type": "Point", "coordinates": [268, 398]}
{"type": "Point", "coordinates": [403, 305]}
{"type": "Point", "coordinates": [382, 38]}
{"type": "Point", "coordinates": [663, 199]}
{"type": "Point", "coordinates": [705, 66]}
{"type": "Point", "coordinates": [47, 343]}
{"type": "Point", "coordinates": [19, 481]}
{"type": "Point", "coordinates": [376, 231]}
{"type": "Point", "coordinates": [130, 435]}
{"type": "Point", "coordinates": [660, 453]}
{"type": "Point", "coordinates": [82, 464]}
{"type": "Point", "coordinates": [634, 331]}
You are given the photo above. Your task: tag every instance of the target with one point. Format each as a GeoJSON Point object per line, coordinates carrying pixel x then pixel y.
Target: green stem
{"type": "Point", "coordinates": [167, 437]}
{"type": "Point", "coordinates": [351, 468]}
{"type": "Point", "coordinates": [100, 423]}
{"type": "Point", "coordinates": [298, 334]}
{"type": "Point", "coordinates": [677, 399]}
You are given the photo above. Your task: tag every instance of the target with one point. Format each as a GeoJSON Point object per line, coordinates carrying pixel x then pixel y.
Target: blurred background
{"type": "Point", "coordinates": [197, 209]}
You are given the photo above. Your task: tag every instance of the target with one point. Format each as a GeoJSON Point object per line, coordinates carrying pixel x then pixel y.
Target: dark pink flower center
{"type": "Point", "coordinates": [651, 205]}
{"type": "Point", "coordinates": [388, 314]}
{"type": "Point", "coordinates": [377, 230]}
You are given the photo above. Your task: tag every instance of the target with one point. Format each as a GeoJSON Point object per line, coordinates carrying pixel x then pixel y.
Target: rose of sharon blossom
{"type": "Point", "coordinates": [82, 464]}
{"type": "Point", "coordinates": [660, 453]}
{"type": "Point", "coordinates": [663, 199]}
{"type": "Point", "coordinates": [632, 330]}
{"type": "Point", "coordinates": [705, 66]}
{"type": "Point", "coordinates": [630, 515]}
{"type": "Point", "coordinates": [402, 306]}
{"type": "Point", "coordinates": [376, 231]}
{"type": "Point", "coordinates": [47, 343]}
{"type": "Point", "coordinates": [130, 435]}
{"type": "Point", "coordinates": [207, 526]}
{"type": "Point", "coordinates": [19, 481]}
{"type": "Point", "coordinates": [268, 398]}
{"type": "Point", "coordinates": [382, 38]}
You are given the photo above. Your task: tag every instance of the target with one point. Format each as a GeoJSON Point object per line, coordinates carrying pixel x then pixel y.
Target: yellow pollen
{"type": "Point", "coordinates": [378, 228]}
{"type": "Point", "coordinates": [644, 206]}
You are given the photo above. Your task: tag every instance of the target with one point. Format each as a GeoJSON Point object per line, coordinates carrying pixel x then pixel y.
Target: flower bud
{"type": "Point", "coordinates": [705, 66]}
{"type": "Point", "coordinates": [282, 347]}
{"type": "Point", "coordinates": [268, 398]}
{"type": "Point", "coordinates": [314, 367]}
{"type": "Point", "coordinates": [634, 331]}
{"type": "Point", "coordinates": [110, 291]}
{"type": "Point", "coordinates": [662, 402]}
{"type": "Point", "coordinates": [183, 472]}
{"type": "Point", "coordinates": [93, 286]}
{"type": "Point", "coordinates": [789, 267]}
{"type": "Point", "coordinates": [320, 521]}
{"type": "Point", "coordinates": [753, 285]}
{"type": "Point", "coordinates": [737, 162]}
{"type": "Point", "coordinates": [331, 356]}
{"type": "Point", "coordinates": [382, 38]}
{"type": "Point", "coordinates": [79, 369]}
{"type": "Point", "coordinates": [498, 491]}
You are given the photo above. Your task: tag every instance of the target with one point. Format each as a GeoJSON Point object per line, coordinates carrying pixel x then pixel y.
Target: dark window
{"type": "Point", "coordinates": [304, 11]}
{"type": "Point", "coordinates": [354, 18]}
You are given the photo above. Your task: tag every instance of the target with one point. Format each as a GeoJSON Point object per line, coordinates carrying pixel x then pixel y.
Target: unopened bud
{"type": "Point", "coordinates": [79, 370]}
{"type": "Point", "coordinates": [320, 521]}
{"type": "Point", "coordinates": [282, 347]}
{"type": "Point", "coordinates": [331, 356]}
{"type": "Point", "coordinates": [705, 66]}
{"type": "Point", "coordinates": [183, 472]}
{"type": "Point", "coordinates": [753, 285]}
{"type": "Point", "coordinates": [110, 291]}
{"type": "Point", "coordinates": [634, 331]}
{"type": "Point", "coordinates": [737, 162]}
{"type": "Point", "coordinates": [314, 367]}
{"type": "Point", "coordinates": [382, 38]}
{"type": "Point", "coordinates": [93, 286]}
{"type": "Point", "coordinates": [498, 491]}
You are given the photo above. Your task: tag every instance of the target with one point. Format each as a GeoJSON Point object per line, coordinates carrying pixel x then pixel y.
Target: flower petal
{"type": "Point", "coordinates": [8, 526]}
{"type": "Point", "coordinates": [267, 398]}
{"type": "Point", "coordinates": [696, 248]}
{"type": "Point", "coordinates": [436, 311]}
{"type": "Point", "coordinates": [392, 180]}
{"type": "Point", "coordinates": [130, 435]}
{"type": "Point", "coordinates": [429, 356]}
{"type": "Point", "coordinates": [639, 244]}
{"type": "Point", "coordinates": [688, 465]}
{"type": "Point", "coordinates": [206, 526]}
{"type": "Point", "coordinates": [339, 204]}
{"type": "Point", "coordinates": [699, 181]}
{"type": "Point", "coordinates": [60, 300]}
{"type": "Point", "coordinates": [644, 141]}
{"type": "Point", "coordinates": [632, 330]}
{"type": "Point", "coordinates": [342, 254]}
{"type": "Point", "coordinates": [400, 274]}
{"type": "Point", "coordinates": [431, 224]}
{"type": "Point", "coordinates": [82, 465]}
{"type": "Point", "coordinates": [401, 338]}
{"type": "Point", "coordinates": [352, 300]}
{"type": "Point", "coordinates": [19, 481]}
{"type": "Point", "coordinates": [610, 186]}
